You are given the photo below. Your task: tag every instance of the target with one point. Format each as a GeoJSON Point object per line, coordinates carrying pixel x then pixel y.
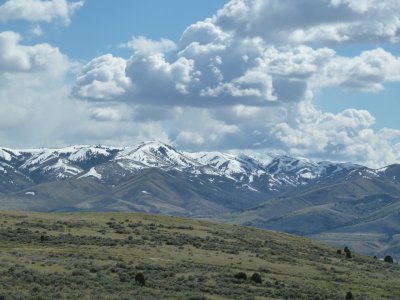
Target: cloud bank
{"type": "Point", "coordinates": [262, 52]}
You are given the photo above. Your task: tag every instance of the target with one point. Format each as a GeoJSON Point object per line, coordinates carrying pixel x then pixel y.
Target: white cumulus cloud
{"type": "Point", "coordinates": [146, 46]}
{"type": "Point", "coordinates": [348, 135]}
{"type": "Point", "coordinates": [16, 57]}
{"type": "Point", "coordinates": [102, 78]}
{"type": "Point", "coordinates": [39, 10]}
{"type": "Point", "coordinates": [367, 72]}
{"type": "Point", "coordinates": [319, 21]}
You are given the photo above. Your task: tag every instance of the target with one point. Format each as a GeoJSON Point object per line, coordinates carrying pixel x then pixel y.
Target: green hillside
{"type": "Point", "coordinates": [99, 255]}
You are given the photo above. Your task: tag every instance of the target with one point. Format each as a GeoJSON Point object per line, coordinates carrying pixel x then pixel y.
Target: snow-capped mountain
{"type": "Point", "coordinates": [155, 155]}
{"type": "Point", "coordinates": [230, 165]}
{"type": "Point", "coordinates": [43, 165]}
{"type": "Point", "coordinates": [154, 170]}
{"type": "Point", "coordinates": [270, 172]}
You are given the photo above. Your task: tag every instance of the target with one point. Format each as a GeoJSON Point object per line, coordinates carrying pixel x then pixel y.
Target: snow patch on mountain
{"type": "Point", "coordinates": [85, 152]}
{"type": "Point", "coordinates": [91, 173]}
{"type": "Point", "coordinates": [37, 157]}
{"type": "Point", "coordinates": [240, 167]}
{"type": "Point", "coordinates": [64, 168]}
{"type": "Point", "coordinates": [307, 175]}
{"type": "Point", "coordinates": [4, 154]}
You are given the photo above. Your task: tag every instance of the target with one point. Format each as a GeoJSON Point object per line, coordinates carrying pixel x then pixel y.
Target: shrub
{"type": "Point", "coordinates": [347, 251]}
{"type": "Point", "coordinates": [388, 259]}
{"type": "Point", "coordinates": [256, 277]}
{"type": "Point", "coordinates": [349, 296]}
{"type": "Point", "coordinates": [241, 276]}
{"type": "Point", "coordinates": [197, 298]}
{"type": "Point", "coordinates": [123, 277]}
{"type": "Point", "coordinates": [339, 252]}
{"type": "Point", "coordinates": [139, 278]}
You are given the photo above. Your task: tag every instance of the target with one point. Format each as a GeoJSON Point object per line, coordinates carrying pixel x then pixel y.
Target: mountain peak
{"type": "Point", "coordinates": [154, 154]}
{"type": "Point", "coordinates": [154, 143]}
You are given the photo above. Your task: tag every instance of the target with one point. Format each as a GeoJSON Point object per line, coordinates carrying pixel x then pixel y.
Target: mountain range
{"type": "Point", "coordinates": [338, 203]}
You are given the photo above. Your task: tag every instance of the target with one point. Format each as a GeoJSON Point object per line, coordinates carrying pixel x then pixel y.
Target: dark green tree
{"type": "Point", "coordinates": [349, 296]}
{"type": "Point", "coordinates": [241, 276]}
{"type": "Point", "coordinates": [388, 259]}
{"type": "Point", "coordinates": [348, 252]}
{"type": "Point", "coordinates": [139, 278]}
{"type": "Point", "coordinates": [256, 277]}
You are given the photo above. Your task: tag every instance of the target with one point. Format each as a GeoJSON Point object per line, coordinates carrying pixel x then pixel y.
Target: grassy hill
{"type": "Point", "coordinates": [99, 255]}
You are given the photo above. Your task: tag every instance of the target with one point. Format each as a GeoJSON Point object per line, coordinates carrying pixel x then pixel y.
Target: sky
{"type": "Point", "coordinates": [311, 78]}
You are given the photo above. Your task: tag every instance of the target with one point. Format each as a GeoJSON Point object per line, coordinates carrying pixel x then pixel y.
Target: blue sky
{"type": "Point", "coordinates": [101, 25]}
{"type": "Point", "coordinates": [318, 79]}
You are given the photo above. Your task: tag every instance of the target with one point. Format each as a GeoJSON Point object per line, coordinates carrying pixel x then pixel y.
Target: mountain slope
{"type": "Point", "coordinates": [177, 193]}
{"type": "Point", "coordinates": [150, 190]}
{"type": "Point", "coordinates": [11, 180]}
{"type": "Point", "coordinates": [366, 208]}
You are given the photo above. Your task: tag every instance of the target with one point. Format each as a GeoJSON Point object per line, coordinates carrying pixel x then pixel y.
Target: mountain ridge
{"type": "Point", "coordinates": [273, 175]}
{"type": "Point", "coordinates": [323, 200]}
{"type": "Point", "coordinates": [74, 160]}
